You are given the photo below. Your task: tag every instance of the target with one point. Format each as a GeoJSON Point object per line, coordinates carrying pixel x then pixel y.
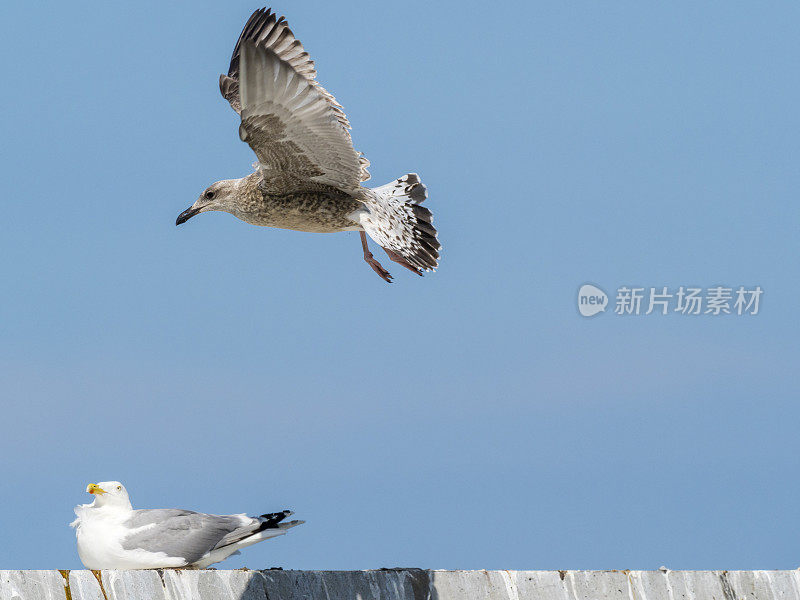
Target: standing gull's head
{"type": "Point", "coordinates": [218, 196]}
{"type": "Point", "coordinates": [109, 493]}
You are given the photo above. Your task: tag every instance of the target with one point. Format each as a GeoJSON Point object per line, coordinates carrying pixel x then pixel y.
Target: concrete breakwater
{"type": "Point", "coordinates": [399, 584]}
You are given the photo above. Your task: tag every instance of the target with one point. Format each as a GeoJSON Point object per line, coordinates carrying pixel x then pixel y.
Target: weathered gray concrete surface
{"type": "Point", "coordinates": [400, 584]}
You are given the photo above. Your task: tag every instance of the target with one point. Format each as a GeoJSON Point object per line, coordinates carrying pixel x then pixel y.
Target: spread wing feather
{"type": "Point", "coordinates": [290, 125]}
{"type": "Point", "coordinates": [266, 30]}
{"type": "Point", "coordinates": [267, 39]}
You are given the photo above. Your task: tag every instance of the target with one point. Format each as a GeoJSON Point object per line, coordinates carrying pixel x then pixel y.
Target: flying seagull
{"type": "Point", "coordinates": [111, 535]}
{"type": "Point", "coordinates": [308, 176]}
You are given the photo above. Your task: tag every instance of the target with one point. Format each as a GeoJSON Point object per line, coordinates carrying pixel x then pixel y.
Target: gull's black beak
{"type": "Point", "coordinates": [186, 215]}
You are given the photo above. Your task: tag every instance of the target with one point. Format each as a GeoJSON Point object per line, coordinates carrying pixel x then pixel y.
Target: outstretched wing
{"type": "Point", "coordinates": [266, 30]}
{"type": "Point", "coordinates": [295, 127]}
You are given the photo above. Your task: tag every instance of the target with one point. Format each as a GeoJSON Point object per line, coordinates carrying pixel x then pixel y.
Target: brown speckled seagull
{"type": "Point", "coordinates": [308, 175]}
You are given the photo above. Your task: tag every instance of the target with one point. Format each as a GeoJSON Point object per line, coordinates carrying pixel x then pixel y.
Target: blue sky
{"type": "Point", "coordinates": [470, 419]}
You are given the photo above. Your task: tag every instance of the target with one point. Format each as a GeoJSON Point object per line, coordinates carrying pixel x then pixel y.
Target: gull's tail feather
{"type": "Point", "coordinates": [263, 527]}
{"type": "Point", "coordinates": [402, 227]}
{"type": "Point", "coordinates": [267, 526]}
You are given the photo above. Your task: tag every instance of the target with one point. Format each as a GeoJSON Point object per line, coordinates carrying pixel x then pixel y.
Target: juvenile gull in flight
{"type": "Point", "coordinates": [308, 175]}
{"type": "Point", "coordinates": [111, 535]}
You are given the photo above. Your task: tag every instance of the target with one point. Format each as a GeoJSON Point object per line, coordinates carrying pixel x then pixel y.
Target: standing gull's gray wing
{"type": "Point", "coordinates": [273, 51]}
{"type": "Point", "coordinates": [181, 533]}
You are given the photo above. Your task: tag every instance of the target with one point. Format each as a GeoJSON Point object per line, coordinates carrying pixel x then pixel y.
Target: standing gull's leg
{"type": "Point", "coordinates": [376, 266]}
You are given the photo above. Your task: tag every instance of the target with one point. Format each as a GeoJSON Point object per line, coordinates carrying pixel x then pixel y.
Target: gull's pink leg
{"type": "Point", "coordinates": [376, 266]}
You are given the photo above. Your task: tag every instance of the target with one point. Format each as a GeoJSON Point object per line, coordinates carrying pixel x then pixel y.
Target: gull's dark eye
{"type": "Point", "coordinates": [119, 487]}
{"type": "Point", "coordinates": [209, 195]}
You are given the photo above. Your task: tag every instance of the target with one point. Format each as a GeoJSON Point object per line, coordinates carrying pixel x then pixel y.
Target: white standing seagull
{"type": "Point", "coordinates": [112, 535]}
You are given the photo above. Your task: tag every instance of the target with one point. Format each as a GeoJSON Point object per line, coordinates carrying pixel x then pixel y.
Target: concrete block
{"type": "Point", "coordinates": [399, 584]}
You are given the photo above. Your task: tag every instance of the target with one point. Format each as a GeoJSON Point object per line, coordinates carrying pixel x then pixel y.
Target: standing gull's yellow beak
{"type": "Point", "coordinates": [93, 488]}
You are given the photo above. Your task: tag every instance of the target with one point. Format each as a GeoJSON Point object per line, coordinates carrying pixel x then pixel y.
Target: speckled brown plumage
{"type": "Point", "coordinates": [321, 210]}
